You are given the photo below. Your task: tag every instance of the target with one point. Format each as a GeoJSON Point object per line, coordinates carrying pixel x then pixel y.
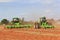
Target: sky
{"type": "Point", "coordinates": [29, 9]}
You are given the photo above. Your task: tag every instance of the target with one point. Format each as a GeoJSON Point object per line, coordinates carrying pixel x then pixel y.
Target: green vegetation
{"type": "Point", "coordinates": [4, 21]}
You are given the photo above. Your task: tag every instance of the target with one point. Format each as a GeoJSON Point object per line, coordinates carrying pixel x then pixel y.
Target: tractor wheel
{"type": "Point", "coordinates": [36, 26]}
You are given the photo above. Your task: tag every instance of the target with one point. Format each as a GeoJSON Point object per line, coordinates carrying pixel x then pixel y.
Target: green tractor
{"type": "Point", "coordinates": [43, 24]}
{"type": "Point", "coordinates": [16, 24]}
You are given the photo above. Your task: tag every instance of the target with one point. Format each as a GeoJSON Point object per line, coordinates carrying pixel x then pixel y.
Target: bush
{"type": "Point", "coordinates": [4, 21]}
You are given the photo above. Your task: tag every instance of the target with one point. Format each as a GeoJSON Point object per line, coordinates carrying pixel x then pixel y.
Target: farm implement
{"type": "Point", "coordinates": [17, 24]}
{"type": "Point", "coordinates": [43, 24]}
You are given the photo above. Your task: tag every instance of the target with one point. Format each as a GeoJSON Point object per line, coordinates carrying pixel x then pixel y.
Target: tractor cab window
{"type": "Point", "coordinates": [15, 20]}
{"type": "Point", "coordinates": [43, 19]}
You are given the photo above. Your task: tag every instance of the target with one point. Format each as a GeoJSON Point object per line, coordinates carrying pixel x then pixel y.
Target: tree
{"type": "Point", "coordinates": [4, 21]}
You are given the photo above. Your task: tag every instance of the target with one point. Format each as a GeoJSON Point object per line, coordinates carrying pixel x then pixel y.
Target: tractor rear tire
{"type": "Point", "coordinates": [36, 26]}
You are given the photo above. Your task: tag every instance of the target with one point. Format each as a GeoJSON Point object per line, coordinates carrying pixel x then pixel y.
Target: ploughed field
{"type": "Point", "coordinates": [29, 34]}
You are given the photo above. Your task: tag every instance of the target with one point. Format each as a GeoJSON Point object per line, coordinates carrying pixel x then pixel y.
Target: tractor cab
{"type": "Point", "coordinates": [43, 20]}
{"type": "Point", "coordinates": [15, 20]}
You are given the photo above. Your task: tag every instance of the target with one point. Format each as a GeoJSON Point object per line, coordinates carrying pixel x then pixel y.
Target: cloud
{"type": "Point", "coordinates": [47, 1]}
{"type": "Point", "coordinates": [48, 11]}
{"type": "Point", "coordinates": [43, 1]}
{"type": "Point", "coordinates": [36, 1]}
{"type": "Point", "coordinates": [6, 0]}
{"type": "Point", "coordinates": [29, 1]}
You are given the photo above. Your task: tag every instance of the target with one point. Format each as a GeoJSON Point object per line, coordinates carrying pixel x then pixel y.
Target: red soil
{"type": "Point", "coordinates": [29, 34]}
